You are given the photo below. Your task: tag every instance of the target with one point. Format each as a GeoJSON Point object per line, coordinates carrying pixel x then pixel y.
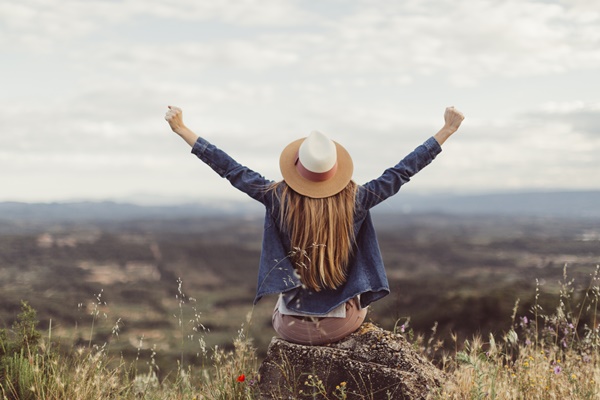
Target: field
{"type": "Point", "coordinates": [167, 291]}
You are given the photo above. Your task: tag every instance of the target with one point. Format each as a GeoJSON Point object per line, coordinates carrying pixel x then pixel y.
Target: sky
{"type": "Point", "coordinates": [84, 86]}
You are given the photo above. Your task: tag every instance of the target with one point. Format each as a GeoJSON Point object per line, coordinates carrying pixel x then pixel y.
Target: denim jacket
{"type": "Point", "coordinates": [276, 274]}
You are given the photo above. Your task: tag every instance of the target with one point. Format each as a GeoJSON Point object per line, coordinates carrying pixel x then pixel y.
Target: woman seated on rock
{"type": "Point", "coordinates": [319, 251]}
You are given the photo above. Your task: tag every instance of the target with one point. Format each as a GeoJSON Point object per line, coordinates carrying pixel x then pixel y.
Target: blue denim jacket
{"type": "Point", "coordinates": [276, 274]}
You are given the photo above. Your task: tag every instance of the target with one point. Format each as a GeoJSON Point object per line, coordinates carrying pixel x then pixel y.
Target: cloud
{"type": "Point", "coordinates": [178, 58]}
{"type": "Point", "coordinates": [465, 41]}
{"type": "Point", "coordinates": [582, 117]}
{"type": "Point", "coordinates": [546, 147]}
{"type": "Point", "coordinates": [43, 25]}
{"type": "Point", "coordinates": [248, 12]}
{"type": "Point", "coordinates": [87, 84]}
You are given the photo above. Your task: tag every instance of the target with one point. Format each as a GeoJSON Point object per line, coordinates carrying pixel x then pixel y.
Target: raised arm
{"type": "Point", "coordinates": [174, 117]}
{"type": "Point", "coordinates": [393, 178]}
{"type": "Point", "coordinates": [243, 178]}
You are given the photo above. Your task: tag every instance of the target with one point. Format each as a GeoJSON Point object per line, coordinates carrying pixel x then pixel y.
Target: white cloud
{"type": "Point", "coordinates": [42, 24]}
{"type": "Point", "coordinates": [554, 107]}
{"type": "Point", "coordinates": [86, 84]}
{"type": "Point", "coordinates": [256, 54]}
{"type": "Point", "coordinates": [582, 117]}
{"type": "Point", "coordinates": [464, 40]}
{"type": "Point", "coordinates": [246, 12]}
{"type": "Point", "coordinates": [467, 40]}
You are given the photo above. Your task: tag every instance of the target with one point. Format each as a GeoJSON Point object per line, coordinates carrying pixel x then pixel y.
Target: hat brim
{"type": "Point", "coordinates": [306, 187]}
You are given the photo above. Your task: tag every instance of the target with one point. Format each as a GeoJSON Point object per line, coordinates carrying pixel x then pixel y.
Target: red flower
{"type": "Point", "coordinates": [241, 378]}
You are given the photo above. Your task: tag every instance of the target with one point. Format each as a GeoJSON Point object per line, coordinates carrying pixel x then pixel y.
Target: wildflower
{"type": "Point", "coordinates": [241, 378]}
{"type": "Point", "coordinates": [402, 328]}
{"type": "Point", "coordinates": [557, 369]}
{"type": "Point", "coordinates": [573, 376]}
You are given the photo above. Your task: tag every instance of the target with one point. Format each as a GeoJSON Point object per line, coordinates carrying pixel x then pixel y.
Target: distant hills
{"type": "Point", "coordinates": [114, 211]}
{"type": "Point", "coordinates": [577, 204]}
{"type": "Point", "coordinates": [574, 204]}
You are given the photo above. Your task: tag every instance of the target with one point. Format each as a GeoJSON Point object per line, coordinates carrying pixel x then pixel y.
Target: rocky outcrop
{"type": "Point", "coordinates": [369, 364]}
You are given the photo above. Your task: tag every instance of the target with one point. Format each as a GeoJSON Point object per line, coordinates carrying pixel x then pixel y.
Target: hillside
{"type": "Point", "coordinates": [576, 204]}
{"type": "Point", "coordinates": [463, 272]}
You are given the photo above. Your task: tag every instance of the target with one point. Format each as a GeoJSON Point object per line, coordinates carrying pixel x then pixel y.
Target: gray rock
{"type": "Point", "coordinates": [369, 364]}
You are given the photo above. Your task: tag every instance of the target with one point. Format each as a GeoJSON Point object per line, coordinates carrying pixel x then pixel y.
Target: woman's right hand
{"type": "Point", "coordinates": [452, 118]}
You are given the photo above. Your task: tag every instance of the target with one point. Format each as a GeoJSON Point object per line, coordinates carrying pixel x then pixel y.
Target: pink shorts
{"type": "Point", "coordinates": [319, 331]}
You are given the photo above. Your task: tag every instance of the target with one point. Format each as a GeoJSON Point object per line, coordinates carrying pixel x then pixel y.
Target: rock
{"type": "Point", "coordinates": [369, 364]}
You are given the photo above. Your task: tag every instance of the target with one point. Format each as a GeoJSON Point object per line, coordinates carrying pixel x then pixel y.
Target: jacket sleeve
{"type": "Point", "coordinates": [241, 177]}
{"type": "Point", "coordinates": [389, 183]}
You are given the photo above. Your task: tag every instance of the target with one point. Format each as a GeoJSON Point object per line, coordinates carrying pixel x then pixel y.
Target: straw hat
{"type": "Point", "coordinates": [316, 166]}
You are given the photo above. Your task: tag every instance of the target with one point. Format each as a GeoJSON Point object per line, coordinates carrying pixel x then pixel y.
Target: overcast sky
{"type": "Point", "coordinates": [84, 86]}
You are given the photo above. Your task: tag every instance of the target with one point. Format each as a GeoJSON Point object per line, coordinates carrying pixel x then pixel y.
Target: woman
{"type": "Point", "coordinates": [319, 251]}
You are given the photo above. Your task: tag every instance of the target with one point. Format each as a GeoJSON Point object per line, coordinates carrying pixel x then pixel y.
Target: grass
{"type": "Point", "coordinates": [544, 355]}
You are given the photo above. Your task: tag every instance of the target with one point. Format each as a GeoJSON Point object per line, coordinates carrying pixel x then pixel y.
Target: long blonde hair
{"type": "Point", "coordinates": [321, 234]}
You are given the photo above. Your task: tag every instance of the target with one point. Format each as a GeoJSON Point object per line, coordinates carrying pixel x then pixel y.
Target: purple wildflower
{"type": "Point", "coordinates": [524, 322]}
{"type": "Point", "coordinates": [557, 369]}
{"type": "Point", "coordinates": [586, 358]}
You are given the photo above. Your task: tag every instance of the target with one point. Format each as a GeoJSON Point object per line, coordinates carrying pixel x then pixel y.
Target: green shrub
{"type": "Point", "coordinates": [19, 355]}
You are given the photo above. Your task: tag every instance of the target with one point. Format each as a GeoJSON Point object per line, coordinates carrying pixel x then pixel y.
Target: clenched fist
{"type": "Point", "coordinates": [174, 117]}
{"type": "Point", "coordinates": [453, 118]}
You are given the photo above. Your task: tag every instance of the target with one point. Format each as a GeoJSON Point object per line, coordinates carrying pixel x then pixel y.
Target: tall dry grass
{"type": "Point", "coordinates": [546, 354]}
{"type": "Point", "coordinates": [32, 367]}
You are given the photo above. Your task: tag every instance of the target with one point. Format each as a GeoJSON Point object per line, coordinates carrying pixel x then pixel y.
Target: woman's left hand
{"type": "Point", "coordinates": [174, 117]}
